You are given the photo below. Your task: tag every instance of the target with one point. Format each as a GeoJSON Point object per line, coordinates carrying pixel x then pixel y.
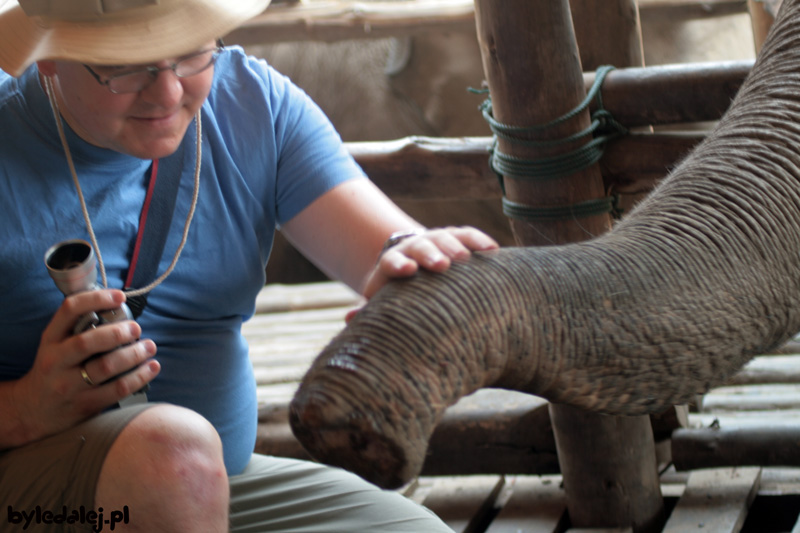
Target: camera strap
{"type": "Point", "coordinates": [154, 224]}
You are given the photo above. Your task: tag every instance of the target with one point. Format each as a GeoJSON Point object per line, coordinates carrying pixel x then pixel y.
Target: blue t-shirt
{"type": "Point", "coordinates": [267, 153]}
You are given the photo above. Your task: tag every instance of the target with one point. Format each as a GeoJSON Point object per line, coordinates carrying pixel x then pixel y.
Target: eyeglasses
{"type": "Point", "coordinates": [118, 80]}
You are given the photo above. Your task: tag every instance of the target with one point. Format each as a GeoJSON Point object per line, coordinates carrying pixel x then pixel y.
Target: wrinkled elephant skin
{"type": "Point", "coordinates": [701, 277]}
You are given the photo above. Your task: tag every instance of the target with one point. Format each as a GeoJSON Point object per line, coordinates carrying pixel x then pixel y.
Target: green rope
{"type": "Point", "coordinates": [602, 129]}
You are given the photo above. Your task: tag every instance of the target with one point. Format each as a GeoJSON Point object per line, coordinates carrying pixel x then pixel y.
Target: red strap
{"type": "Point", "coordinates": [142, 222]}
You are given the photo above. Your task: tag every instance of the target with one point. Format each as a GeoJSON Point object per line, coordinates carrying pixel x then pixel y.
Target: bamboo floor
{"type": "Point", "coordinates": [294, 322]}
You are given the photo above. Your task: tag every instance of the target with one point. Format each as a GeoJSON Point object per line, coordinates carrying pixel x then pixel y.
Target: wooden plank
{"type": "Point", "coordinates": [769, 369]}
{"type": "Point", "coordinates": [269, 375]}
{"type": "Point", "coordinates": [276, 298]}
{"type": "Point", "coordinates": [600, 530]}
{"type": "Point", "coordinates": [753, 398]}
{"type": "Point", "coordinates": [779, 482]}
{"type": "Point", "coordinates": [532, 504]}
{"type": "Point", "coordinates": [464, 503]}
{"type": "Point", "coordinates": [745, 419]}
{"type": "Point", "coordinates": [715, 501]}
{"type": "Point", "coordinates": [418, 489]}
{"type": "Point", "coordinates": [775, 481]}
{"type": "Point", "coordinates": [273, 401]}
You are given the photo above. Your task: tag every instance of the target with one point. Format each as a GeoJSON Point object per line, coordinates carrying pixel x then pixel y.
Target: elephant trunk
{"type": "Point", "coordinates": [701, 276]}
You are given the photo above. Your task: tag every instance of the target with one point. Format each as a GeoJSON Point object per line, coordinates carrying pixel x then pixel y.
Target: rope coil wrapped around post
{"type": "Point", "coordinates": [602, 129]}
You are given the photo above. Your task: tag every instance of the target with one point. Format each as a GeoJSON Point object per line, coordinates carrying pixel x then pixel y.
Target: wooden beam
{"type": "Point", "coordinates": [671, 94]}
{"type": "Point", "coordinates": [428, 168]}
{"type": "Point", "coordinates": [752, 446]}
{"type": "Point", "coordinates": [678, 10]}
{"type": "Point", "coordinates": [492, 431]}
{"type": "Point", "coordinates": [532, 89]}
{"type": "Point", "coordinates": [635, 163]}
{"type": "Point", "coordinates": [330, 21]}
{"type": "Point", "coordinates": [333, 21]}
{"type": "Point", "coordinates": [715, 501]}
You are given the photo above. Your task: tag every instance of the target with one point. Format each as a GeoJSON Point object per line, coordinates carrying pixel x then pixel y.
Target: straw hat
{"type": "Point", "coordinates": [113, 32]}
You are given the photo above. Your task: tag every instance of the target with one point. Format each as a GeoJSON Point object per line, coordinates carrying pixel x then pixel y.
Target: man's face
{"type": "Point", "coordinates": [148, 124]}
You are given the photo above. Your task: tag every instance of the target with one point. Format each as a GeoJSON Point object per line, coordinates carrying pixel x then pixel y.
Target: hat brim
{"type": "Point", "coordinates": [141, 35]}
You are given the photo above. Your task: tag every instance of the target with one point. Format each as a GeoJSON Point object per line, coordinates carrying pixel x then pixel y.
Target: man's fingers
{"type": "Point", "coordinates": [77, 305]}
{"type": "Point", "coordinates": [105, 338]}
{"type": "Point", "coordinates": [119, 361]}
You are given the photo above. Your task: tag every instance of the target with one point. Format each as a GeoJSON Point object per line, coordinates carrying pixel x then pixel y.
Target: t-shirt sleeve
{"type": "Point", "coordinates": [311, 156]}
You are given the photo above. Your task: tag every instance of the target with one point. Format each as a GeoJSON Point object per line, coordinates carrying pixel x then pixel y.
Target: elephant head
{"type": "Point", "coordinates": [700, 277]}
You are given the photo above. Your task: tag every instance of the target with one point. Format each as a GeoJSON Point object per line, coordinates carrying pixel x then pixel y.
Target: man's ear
{"type": "Point", "coordinates": [47, 67]}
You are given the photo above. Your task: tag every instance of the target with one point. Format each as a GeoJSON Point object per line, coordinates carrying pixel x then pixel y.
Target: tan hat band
{"type": "Point", "coordinates": [75, 10]}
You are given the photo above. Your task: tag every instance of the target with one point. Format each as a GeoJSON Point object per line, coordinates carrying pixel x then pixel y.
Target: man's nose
{"type": "Point", "coordinates": [165, 90]}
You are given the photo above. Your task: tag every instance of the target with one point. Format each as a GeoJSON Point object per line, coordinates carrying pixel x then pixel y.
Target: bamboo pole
{"type": "Point", "coordinates": [536, 87]}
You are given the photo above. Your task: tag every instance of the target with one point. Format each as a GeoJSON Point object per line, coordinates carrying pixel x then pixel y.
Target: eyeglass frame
{"type": "Point", "coordinates": [155, 71]}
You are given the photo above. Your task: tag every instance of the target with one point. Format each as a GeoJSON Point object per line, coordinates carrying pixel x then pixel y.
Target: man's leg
{"type": "Point", "coordinates": [166, 468]}
{"type": "Point", "coordinates": [285, 495]}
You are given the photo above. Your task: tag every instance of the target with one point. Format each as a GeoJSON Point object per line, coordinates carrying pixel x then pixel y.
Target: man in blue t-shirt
{"type": "Point", "coordinates": [101, 103]}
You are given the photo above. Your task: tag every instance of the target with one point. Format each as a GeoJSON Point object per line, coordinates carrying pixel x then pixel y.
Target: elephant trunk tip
{"type": "Point", "coordinates": [350, 442]}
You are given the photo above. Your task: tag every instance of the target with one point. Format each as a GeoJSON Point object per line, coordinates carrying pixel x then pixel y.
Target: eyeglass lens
{"type": "Point", "coordinates": [137, 80]}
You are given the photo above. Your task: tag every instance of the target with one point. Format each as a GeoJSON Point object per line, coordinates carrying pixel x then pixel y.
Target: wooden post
{"type": "Point", "coordinates": [761, 20]}
{"type": "Point", "coordinates": [534, 73]}
{"type": "Point", "coordinates": [608, 33]}
{"type": "Point", "coordinates": [534, 76]}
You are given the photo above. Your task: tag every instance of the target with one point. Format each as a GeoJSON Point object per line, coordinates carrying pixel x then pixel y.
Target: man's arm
{"type": "Point", "coordinates": [344, 230]}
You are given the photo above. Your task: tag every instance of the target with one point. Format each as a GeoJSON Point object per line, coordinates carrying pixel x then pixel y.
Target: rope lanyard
{"type": "Point", "coordinates": [195, 194]}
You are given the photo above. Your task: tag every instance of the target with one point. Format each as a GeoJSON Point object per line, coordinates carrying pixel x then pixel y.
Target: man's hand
{"type": "Point", "coordinates": [62, 389]}
{"type": "Point", "coordinates": [432, 250]}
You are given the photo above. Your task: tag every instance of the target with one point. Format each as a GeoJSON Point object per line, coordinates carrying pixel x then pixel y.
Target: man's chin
{"type": "Point", "coordinates": [156, 142]}
{"type": "Point", "coordinates": [154, 148]}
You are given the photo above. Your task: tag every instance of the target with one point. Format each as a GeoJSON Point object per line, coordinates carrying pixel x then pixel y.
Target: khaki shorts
{"type": "Point", "coordinates": [50, 486]}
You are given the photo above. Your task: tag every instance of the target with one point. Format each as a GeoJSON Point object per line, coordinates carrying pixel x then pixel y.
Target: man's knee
{"type": "Point", "coordinates": [167, 449]}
